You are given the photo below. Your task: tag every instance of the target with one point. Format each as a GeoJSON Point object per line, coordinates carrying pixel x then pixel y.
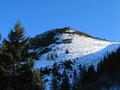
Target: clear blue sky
{"type": "Point", "coordinates": [96, 17]}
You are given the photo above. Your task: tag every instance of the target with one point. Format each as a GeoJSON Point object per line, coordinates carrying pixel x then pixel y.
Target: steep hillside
{"type": "Point", "coordinates": [68, 48]}
{"type": "Point", "coordinates": [68, 44]}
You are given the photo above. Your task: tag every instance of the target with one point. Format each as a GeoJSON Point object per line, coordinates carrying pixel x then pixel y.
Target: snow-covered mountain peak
{"type": "Point", "coordinates": [64, 44]}
{"type": "Point", "coordinates": [59, 35]}
{"type": "Point", "coordinates": [68, 48]}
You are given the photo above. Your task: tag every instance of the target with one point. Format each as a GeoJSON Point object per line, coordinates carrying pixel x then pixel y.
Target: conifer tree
{"type": "Point", "coordinates": [82, 74]}
{"type": "Point", "coordinates": [91, 74]}
{"type": "Point", "coordinates": [76, 81]}
{"type": "Point", "coordinates": [55, 69]}
{"type": "Point", "coordinates": [65, 82]}
{"type": "Point", "coordinates": [55, 80]}
{"type": "Point", "coordinates": [88, 76]}
{"type": "Point", "coordinates": [21, 58]}
{"type": "Point", "coordinates": [2, 70]}
{"type": "Point", "coordinates": [66, 51]}
{"type": "Point", "coordinates": [38, 80]}
{"type": "Point", "coordinates": [54, 83]}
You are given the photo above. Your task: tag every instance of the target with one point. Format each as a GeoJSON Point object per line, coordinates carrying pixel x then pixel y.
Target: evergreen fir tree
{"type": "Point", "coordinates": [66, 51]}
{"type": "Point", "coordinates": [52, 56]}
{"type": "Point", "coordinates": [82, 74]}
{"type": "Point", "coordinates": [17, 48]}
{"type": "Point", "coordinates": [54, 83]}
{"type": "Point", "coordinates": [55, 69]}
{"type": "Point", "coordinates": [76, 81]}
{"type": "Point", "coordinates": [4, 71]}
{"type": "Point", "coordinates": [91, 75]}
{"type": "Point", "coordinates": [65, 82]}
{"type": "Point", "coordinates": [38, 80]}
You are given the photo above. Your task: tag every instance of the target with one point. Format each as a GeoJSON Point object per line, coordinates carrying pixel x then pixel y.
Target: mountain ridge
{"type": "Point", "coordinates": [67, 43]}
{"type": "Point", "coordinates": [69, 30]}
{"type": "Point", "coordinates": [47, 38]}
{"type": "Point", "coordinates": [68, 48]}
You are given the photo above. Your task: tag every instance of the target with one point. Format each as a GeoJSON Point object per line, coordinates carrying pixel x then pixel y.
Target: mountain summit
{"type": "Point", "coordinates": [65, 49]}
{"type": "Point", "coordinates": [52, 36]}
{"type": "Point", "coordinates": [62, 44]}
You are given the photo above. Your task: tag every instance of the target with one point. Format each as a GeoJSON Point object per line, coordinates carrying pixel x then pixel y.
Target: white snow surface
{"type": "Point", "coordinates": [84, 50]}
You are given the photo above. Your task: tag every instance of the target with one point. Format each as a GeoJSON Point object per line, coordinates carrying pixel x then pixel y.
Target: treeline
{"type": "Point", "coordinates": [17, 61]}
{"type": "Point", "coordinates": [104, 76]}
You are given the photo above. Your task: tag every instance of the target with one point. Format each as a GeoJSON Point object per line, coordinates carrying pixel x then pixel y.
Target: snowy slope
{"type": "Point", "coordinates": [82, 49]}
{"type": "Point", "coordinates": [68, 44]}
